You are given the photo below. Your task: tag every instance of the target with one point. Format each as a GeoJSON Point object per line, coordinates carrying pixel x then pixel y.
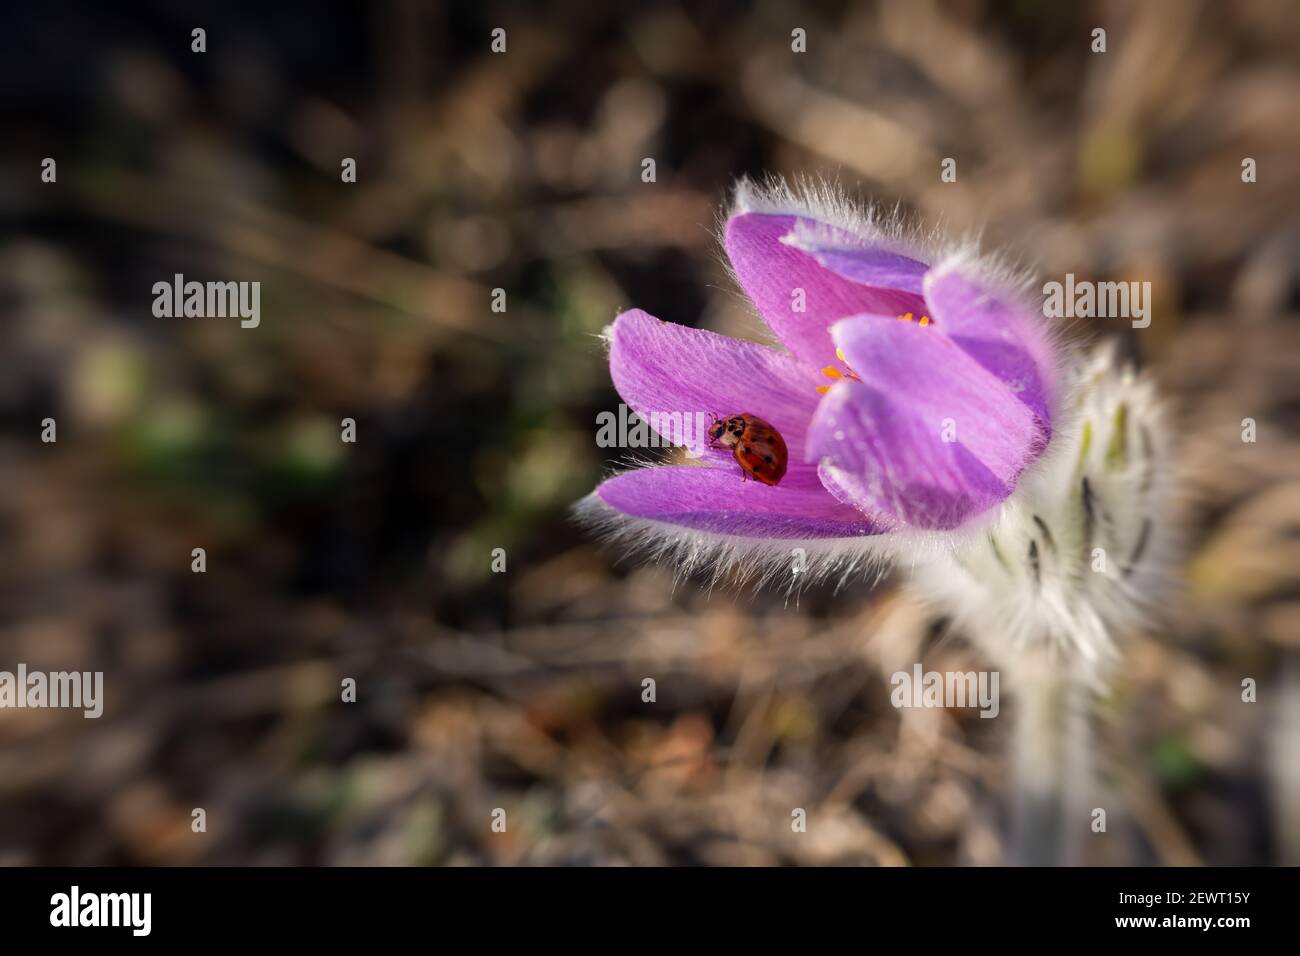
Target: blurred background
{"type": "Point", "coordinates": [476, 430]}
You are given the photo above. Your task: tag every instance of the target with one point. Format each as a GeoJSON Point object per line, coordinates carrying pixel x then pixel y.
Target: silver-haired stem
{"type": "Point", "coordinates": [1052, 758]}
{"type": "Point", "coordinates": [1284, 762]}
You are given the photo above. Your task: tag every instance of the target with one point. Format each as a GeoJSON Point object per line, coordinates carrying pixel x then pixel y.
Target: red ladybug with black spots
{"type": "Point", "coordinates": [758, 447]}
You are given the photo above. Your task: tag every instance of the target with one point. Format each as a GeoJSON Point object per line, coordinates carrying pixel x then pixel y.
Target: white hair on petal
{"type": "Point", "coordinates": [722, 558]}
{"type": "Point", "coordinates": [838, 220]}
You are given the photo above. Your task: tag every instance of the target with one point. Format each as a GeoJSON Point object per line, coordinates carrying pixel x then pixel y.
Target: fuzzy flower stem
{"type": "Point", "coordinates": [1053, 766]}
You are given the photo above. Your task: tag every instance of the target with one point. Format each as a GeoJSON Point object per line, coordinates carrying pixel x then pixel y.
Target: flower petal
{"type": "Point", "coordinates": [929, 437]}
{"type": "Point", "coordinates": [772, 270]}
{"type": "Point", "coordinates": [1001, 335]}
{"type": "Point", "coordinates": [886, 459]}
{"type": "Point", "coordinates": [854, 260]}
{"type": "Point", "coordinates": [720, 502]}
{"type": "Point", "coordinates": [660, 369]}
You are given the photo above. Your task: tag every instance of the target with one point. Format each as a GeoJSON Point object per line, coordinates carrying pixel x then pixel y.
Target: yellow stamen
{"type": "Point", "coordinates": [925, 320]}
{"type": "Point", "coordinates": [835, 374]}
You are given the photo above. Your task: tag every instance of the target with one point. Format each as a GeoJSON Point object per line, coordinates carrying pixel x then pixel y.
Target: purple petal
{"type": "Point", "coordinates": [868, 265]}
{"type": "Point", "coordinates": [920, 369]}
{"type": "Point", "coordinates": [771, 271]}
{"type": "Point", "coordinates": [892, 462]}
{"type": "Point", "coordinates": [662, 368]}
{"type": "Point", "coordinates": [1001, 335]}
{"type": "Point", "coordinates": [717, 501]}
{"type": "Point", "coordinates": [881, 442]}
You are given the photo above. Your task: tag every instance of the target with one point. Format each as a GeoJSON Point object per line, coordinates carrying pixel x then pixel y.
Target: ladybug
{"type": "Point", "coordinates": [759, 448]}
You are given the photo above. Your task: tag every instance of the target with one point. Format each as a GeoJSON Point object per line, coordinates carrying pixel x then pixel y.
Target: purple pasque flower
{"type": "Point", "coordinates": [913, 390]}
